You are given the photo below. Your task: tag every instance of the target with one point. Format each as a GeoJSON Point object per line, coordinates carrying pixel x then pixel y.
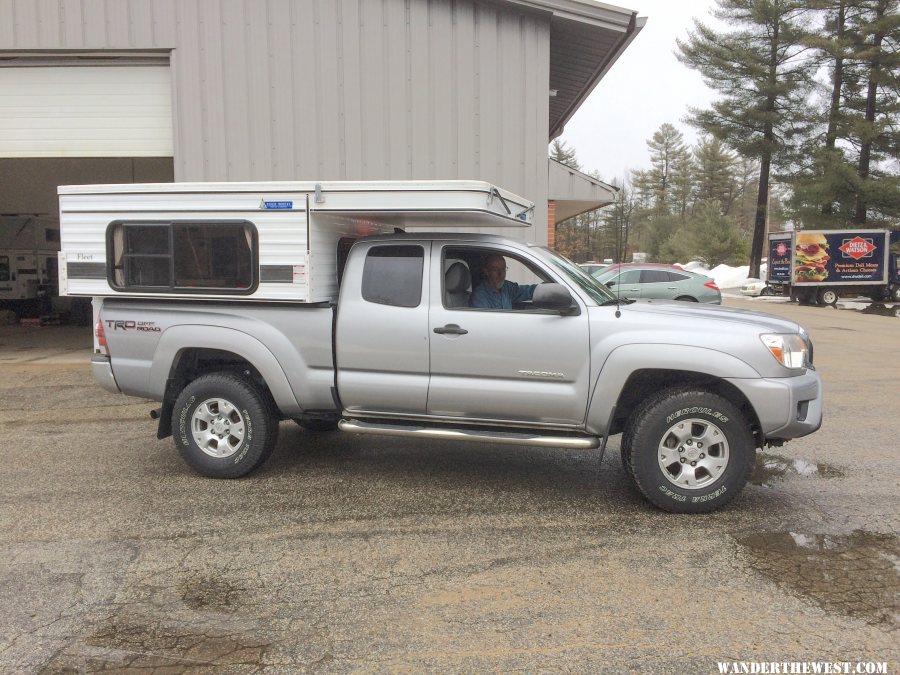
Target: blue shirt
{"type": "Point", "coordinates": [488, 297]}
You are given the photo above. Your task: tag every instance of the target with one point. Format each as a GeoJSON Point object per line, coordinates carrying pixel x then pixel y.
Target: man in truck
{"type": "Point", "coordinates": [494, 291]}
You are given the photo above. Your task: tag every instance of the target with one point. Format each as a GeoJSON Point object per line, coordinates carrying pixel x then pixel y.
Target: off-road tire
{"type": "Point", "coordinates": [259, 427]}
{"type": "Point", "coordinates": [651, 424]}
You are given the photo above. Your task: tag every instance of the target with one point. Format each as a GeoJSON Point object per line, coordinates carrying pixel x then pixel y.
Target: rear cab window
{"type": "Point", "coordinates": [392, 275]}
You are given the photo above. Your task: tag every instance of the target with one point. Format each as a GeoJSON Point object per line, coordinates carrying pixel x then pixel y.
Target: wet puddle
{"type": "Point", "coordinates": [876, 308]}
{"type": "Point", "coordinates": [131, 646]}
{"type": "Point", "coordinates": [856, 575]}
{"type": "Point", "coordinates": [770, 468]}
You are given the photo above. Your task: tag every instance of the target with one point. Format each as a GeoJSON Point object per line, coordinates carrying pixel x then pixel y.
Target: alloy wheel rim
{"type": "Point", "coordinates": [693, 453]}
{"type": "Point", "coordinates": [218, 428]}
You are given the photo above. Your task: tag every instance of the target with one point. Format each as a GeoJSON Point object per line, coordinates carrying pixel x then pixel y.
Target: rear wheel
{"type": "Point", "coordinates": [223, 426]}
{"type": "Point", "coordinates": [686, 298]}
{"type": "Point", "coordinates": [689, 450]}
{"type": "Point", "coordinates": [895, 294]}
{"type": "Point", "coordinates": [827, 296]}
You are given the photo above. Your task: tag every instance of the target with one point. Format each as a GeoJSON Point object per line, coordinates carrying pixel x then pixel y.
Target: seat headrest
{"type": "Point", "coordinates": [456, 278]}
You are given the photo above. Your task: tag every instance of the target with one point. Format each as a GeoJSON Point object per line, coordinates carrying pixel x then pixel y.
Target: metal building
{"type": "Point", "coordinates": [157, 90]}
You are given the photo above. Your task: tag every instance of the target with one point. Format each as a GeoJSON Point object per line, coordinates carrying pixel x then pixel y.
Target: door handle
{"type": "Point", "coordinates": [672, 288]}
{"type": "Point", "coordinates": [450, 329]}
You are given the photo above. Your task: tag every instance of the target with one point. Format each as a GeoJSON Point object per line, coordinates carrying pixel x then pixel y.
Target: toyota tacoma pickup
{"type": "Point", "coordinates": [401, 351]}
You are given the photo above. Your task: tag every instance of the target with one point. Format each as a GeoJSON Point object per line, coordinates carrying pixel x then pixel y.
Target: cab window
{"type": "Point", "coordinates": [392, 275]}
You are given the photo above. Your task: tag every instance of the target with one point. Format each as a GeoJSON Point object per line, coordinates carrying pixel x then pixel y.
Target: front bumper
{"type": "Point", "coordinates": [103, 373]}
{"type": "Point", "coordinates": [787, 407]}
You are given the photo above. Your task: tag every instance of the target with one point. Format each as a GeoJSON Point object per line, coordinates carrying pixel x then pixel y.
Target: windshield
{"type": "Point", "coordinates": [599, 294]}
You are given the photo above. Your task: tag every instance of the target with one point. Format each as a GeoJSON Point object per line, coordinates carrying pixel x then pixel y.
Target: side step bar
{"type": "Point", "coordinates": [442, 434]}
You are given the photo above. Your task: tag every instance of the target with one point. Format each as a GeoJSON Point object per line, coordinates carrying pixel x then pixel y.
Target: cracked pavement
{"type": "Point", "coordinates": [348, 553]}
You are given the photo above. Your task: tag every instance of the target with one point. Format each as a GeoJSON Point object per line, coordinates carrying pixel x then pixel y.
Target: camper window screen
{"type": "Point", "coordinates": [191, 256]}
{"type": "Point", "coordinates": [392, 275]}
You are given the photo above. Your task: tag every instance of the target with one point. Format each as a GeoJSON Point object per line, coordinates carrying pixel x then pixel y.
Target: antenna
{"type": "Point", "coordinates": [619, 294]}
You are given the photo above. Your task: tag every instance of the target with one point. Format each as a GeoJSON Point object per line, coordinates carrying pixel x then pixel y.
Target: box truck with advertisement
{"type": "Point", "coordinates": [821, 266]}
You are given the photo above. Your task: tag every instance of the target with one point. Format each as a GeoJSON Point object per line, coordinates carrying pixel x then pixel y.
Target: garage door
{"type": "Point", "coordinates": [86, 111]}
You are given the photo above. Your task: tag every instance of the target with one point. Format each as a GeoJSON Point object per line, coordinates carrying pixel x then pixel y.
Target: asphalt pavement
{"type": "Point", "coordinates": [358, 553]}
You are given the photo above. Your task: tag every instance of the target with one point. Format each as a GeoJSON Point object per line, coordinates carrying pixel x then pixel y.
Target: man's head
{"type": "Point", "coordinates": [495, 270]}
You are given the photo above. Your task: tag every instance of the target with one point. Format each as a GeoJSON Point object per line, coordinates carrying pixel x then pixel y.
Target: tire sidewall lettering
{"type": "Point", "coordinates": [182, 420]}
{"type": "Point", "coordinates": [697, 410]}
{"type": "Point", "coordinates": [248, 437]}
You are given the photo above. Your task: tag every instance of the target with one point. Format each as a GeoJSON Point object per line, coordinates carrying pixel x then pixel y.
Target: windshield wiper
{"type": "Point", "coordinates": [617, 301]}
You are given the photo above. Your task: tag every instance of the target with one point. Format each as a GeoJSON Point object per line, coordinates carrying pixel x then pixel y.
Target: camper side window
{"type": "Point", "coordinates": [190, 256]}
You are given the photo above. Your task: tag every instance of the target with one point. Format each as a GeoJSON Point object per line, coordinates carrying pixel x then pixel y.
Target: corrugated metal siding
{"type": "Point", "coordinates": [331, 89]}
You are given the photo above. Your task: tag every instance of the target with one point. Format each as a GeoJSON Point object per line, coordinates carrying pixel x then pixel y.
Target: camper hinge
{"type": "Point", "coordinates": [496, 192]}
{"type": "Point", "coordinates": [320, 198]}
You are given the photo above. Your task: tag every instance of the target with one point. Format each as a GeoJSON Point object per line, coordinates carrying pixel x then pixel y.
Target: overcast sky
{"type": "Point", "coordinates": [646, 87]}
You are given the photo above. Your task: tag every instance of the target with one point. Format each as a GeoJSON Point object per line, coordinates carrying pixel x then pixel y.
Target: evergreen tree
{"type": "Point", "coordinates": [669, 164]}
{"type": "Point", "coordinates": [763, 72]}
{"type": "Point", "coordinates": [877, 131]}
{"type": "Point", "coordinates": [709, 237]}
{"type": "Point", "coordinates": [847, 179]}
{"type": "Point", "coordinates": [714, 174]}
{"type": "Point", "coordinates": [563, 154]}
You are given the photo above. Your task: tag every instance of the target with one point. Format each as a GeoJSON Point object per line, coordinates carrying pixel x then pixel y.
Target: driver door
{"type": "Point", "coordinates": [520, 365]}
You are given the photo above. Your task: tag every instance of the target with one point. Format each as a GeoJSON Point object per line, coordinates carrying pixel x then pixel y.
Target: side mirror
{"type": "Point", "coordinates": [610, 284]}
{"type": "Point", "coordinates": [554, 296]}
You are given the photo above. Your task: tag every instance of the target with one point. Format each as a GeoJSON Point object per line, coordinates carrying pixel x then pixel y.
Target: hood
{"type": "Point", "coordinates": [692, 311]}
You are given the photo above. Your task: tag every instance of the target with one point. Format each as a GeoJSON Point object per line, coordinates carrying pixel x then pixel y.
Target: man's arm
{"type": "Point", "coordinates": [521, 293]}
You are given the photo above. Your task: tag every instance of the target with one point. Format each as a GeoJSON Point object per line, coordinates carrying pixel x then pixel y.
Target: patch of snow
{"type": "Point", "coordinates": [725, 276]}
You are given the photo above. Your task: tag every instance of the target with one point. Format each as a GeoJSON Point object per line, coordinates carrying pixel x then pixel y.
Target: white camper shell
{"type": "Point", "coordinates": [273, 241]}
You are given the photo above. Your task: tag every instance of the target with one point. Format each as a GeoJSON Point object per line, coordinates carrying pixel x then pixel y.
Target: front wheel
{"type": "Point", "coordinates": [895, 294]}
{"type": "Point", "coordinates": [223, 427]}
{"type": "Point", "coordinates": [689, 450]}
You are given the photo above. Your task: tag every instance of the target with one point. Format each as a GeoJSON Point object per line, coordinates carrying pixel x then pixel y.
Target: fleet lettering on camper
{"type": "Point", "coordinates": [140, 326]}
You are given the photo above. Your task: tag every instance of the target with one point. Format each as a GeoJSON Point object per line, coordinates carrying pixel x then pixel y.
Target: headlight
{"type": "Point", "coordinates": [789, 350]}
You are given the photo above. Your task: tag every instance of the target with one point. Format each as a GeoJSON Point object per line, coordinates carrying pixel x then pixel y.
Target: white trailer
{"type": "Point", "coordinates": [28, 253]}
{"type": "Point", "coordinates": [273, 241]}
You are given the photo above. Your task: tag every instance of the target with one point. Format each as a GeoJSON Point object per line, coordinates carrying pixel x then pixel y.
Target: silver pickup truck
{"type": "Point", "coordinates": [404, 351]}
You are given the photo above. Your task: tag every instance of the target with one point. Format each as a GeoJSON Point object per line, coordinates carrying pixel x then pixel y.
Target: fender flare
{"type": "Point", "coordinates": [625, 360]}
{"type": "Point", "coordinates": [178, 338]}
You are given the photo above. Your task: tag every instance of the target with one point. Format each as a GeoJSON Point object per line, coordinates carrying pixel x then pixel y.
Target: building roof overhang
{"type": "Point", "coordinates": [586, 39]}
{"type": "Point", "coordinates": [575, 192]}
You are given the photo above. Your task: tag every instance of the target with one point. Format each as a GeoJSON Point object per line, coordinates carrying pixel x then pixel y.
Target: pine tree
{"type": "Point", "coordinates": [669, 164]}
{"type": "Point", "coordinates": [714, 174]}
{"type": "Point", "coordinates": [563, 154]}
{"type": "Point", "coordinates": [844, 178]}
{"type": "Point", "coordinates": [709, 237]}
{"type": "Point", "coordinates": [877, 131]}
{"type": "Point", "coordinates": [763, 72]}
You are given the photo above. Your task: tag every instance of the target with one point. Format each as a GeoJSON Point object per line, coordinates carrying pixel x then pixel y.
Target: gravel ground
{"type": "Point", "coordinates": [348, 553]}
